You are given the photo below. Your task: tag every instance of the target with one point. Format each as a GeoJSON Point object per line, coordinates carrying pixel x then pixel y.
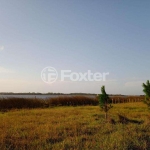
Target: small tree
{"type": "Point", "coordinates": [104, 101]}
{"type": "Point", "coordinates": [146, 90]}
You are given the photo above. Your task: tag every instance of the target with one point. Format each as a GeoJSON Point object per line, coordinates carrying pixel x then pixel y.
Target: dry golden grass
{"type": "Point", "coordinates": [75, 128]}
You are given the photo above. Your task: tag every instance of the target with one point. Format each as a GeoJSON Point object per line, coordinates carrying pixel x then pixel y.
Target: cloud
{"type": "Point", "coordinates": [1, 47]}
{"type": "Point", "coordinates": [4, 70]}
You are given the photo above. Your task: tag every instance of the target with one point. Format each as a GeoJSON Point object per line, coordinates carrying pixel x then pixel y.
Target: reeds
{"type": "Point", "coordinates": [72, 101]}
{"type": "Point", "coordinates": [19, 103]}
{"type": "Point", "coordinates": [126, 99]}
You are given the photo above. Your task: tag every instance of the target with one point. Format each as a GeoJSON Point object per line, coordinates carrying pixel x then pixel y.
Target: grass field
{"type": "Point", "coordinates": [75, 128]}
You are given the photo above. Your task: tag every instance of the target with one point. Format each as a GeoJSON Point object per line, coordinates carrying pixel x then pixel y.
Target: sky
{"type": "Point", "coordinates": [97, 35]}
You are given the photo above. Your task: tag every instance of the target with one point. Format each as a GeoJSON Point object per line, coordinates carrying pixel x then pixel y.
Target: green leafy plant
{"type": "Point", "coordinates": [146, 90]}
{"type": "Point", "coordinates": [104, 101]}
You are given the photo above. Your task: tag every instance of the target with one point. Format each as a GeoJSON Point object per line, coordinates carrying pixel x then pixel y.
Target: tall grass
{"type": "Point", "coordinates": [126, 99]}
{"type": "Point", "coordinates": [19, 103]}
{"type": "Point", "coordinates": [75, 128]}
{"type": "Point", "coordinates": [72, 101]}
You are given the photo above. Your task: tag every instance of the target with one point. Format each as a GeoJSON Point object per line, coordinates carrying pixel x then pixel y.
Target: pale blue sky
{"type": "Point", "coordinates": [97, 35]}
